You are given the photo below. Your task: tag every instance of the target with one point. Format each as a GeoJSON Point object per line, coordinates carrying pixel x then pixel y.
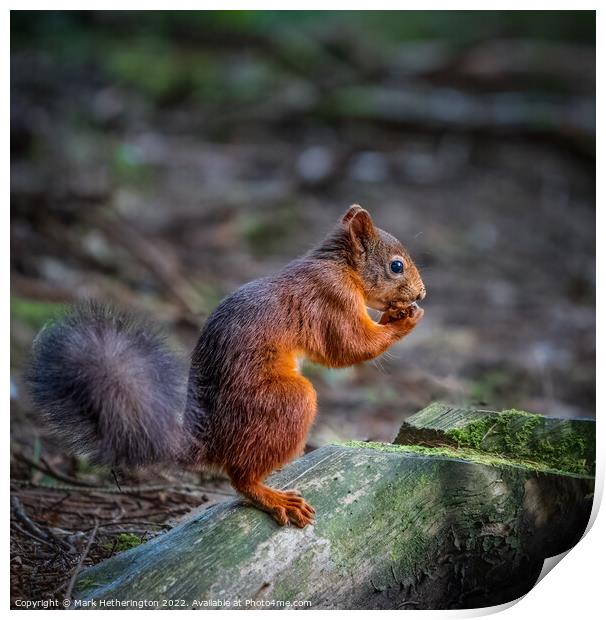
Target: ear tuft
{"type": "Point", "coordinates": [350, 213]}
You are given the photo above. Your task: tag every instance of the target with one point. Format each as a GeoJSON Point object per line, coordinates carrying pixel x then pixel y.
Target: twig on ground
{"type": "Point", "coordinates": [33, 536]}
{"type": "Point", "coordinates": [72, 581]}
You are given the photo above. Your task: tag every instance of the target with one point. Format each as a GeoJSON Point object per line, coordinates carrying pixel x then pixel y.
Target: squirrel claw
{"type": "Point", "coordinates": [284, 506]}
{"type": "Point", "coordinates": [296, 510]}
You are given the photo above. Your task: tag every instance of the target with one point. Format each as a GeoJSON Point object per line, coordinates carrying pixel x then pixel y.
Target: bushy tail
{"type": "Point", "coordinates": [109, 387]}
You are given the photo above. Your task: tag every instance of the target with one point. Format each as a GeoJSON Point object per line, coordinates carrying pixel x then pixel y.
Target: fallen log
{"type": "Point", "coordinates": [459, 513]}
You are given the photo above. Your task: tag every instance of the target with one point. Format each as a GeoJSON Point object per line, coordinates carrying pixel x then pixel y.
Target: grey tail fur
{"type": "Point", "coordinates": [109, 387]}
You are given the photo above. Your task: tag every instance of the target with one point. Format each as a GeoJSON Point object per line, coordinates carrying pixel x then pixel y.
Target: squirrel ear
{"type": "Point", "coordinates": [360, 226]}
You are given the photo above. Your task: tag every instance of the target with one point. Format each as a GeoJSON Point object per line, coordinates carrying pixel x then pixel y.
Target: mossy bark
{"type": "Point", "coordinates": [395, 528]}
{"type": "Point", "coordinates": [565, 445]}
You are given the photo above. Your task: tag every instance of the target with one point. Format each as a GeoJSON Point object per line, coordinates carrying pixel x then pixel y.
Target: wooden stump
{"type": "Point", "coordinates": [461, 512]}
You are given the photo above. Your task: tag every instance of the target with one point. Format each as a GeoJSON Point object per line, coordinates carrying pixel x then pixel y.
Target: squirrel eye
{"type": "Point", "coordinates": [397, 266]}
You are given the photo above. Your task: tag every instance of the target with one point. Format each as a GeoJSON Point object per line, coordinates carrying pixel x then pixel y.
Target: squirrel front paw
{"type": "Point", "coordinates": [412, 314]}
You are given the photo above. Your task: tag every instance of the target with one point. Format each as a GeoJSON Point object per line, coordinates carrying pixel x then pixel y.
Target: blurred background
{"type": "Point", "coordinates": [161, 159]}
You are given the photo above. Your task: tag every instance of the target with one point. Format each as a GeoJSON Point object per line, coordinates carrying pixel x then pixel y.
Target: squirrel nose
{"type": "Point", "coordinates": [421, 295]}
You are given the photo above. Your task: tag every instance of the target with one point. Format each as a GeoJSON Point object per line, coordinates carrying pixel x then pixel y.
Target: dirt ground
{"type": "Point", "coordinates": [165, 194]}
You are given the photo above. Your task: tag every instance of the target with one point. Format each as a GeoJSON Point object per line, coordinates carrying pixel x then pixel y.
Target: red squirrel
{"type": "Point", "coordinates": [110, 387]}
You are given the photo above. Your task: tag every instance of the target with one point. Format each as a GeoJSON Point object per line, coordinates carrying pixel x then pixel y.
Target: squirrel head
{"type": "Point", "coordinates": [390, 279]}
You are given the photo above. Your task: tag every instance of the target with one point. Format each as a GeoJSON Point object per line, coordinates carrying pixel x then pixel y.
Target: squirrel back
{"type": "Point", "coordinates": [109, 387]}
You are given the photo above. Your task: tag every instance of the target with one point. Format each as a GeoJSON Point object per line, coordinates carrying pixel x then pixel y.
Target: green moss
{"type": "Point", "coordinates": [411, 544]}
{"type": "Point", "coordinates": [516, 434]}
{"type": "Point", "coordinates": [417, 544]}
{"type": "Point", "coordinates": [463, 453]}
{"type": "Point", "coordinates": [513, 428]}
{"type": "Point", "coordinates": [569, 454]}
{"type": "Point", "coordinates": [124, 542]}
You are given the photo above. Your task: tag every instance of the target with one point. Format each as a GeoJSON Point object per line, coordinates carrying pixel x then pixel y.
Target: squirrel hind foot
{"type": "Point", "coordinates": [284, 506]}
